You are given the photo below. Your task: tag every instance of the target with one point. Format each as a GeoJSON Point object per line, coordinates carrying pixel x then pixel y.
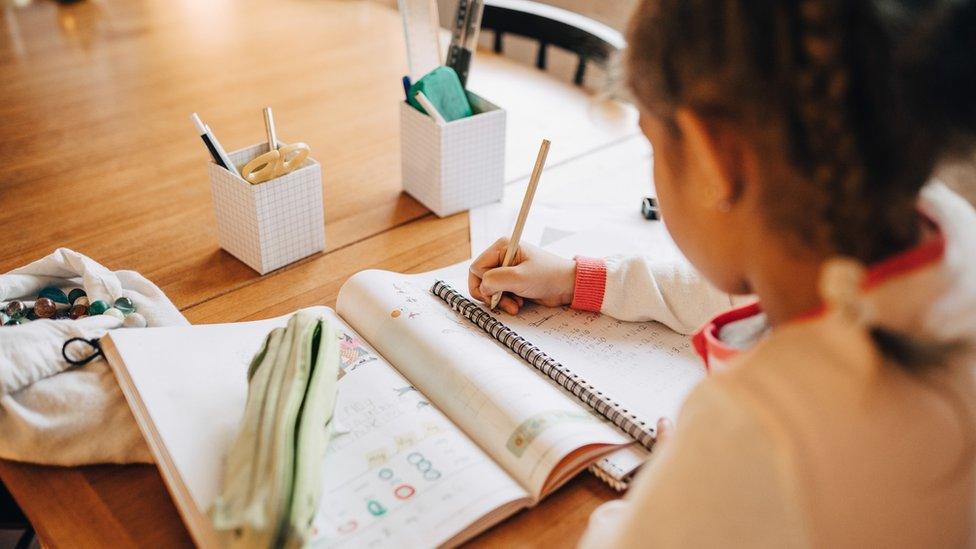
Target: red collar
{"type": "Point", "coordinates": [715, 353]}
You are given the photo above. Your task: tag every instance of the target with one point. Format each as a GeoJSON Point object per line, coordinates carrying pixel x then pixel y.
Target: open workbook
{"type": "Point", "coordinates": [440, 431]}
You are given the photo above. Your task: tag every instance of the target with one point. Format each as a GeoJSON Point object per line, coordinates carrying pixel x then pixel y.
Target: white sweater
{"type": "Point", "coordinates": [809, 438]}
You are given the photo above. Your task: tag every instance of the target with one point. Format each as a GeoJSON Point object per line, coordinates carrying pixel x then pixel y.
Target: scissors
{"type": "Point", "coordinates": [275, 163]}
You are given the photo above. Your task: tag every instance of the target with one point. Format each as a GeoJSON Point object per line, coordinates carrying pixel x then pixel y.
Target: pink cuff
{"type": "Point", "coordinates": [591, 282]}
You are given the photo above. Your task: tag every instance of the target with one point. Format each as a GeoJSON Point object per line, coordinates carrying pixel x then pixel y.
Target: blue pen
{"type": "Point", "coordinates": [406, 87]}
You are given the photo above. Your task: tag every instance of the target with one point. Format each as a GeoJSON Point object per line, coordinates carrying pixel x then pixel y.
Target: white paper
{"type": "Point", "coordinates": [586, 193]}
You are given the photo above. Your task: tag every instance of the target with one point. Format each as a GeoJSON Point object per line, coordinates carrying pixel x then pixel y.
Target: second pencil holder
{"type": "Point", "coordinates": [271, 224]}
{"type": "Point", "coordinates": [457, 166]}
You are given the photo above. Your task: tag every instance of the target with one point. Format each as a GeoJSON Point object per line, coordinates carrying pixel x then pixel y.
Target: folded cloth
{"type": "Point", "coordinates": [272, 483]}
{"type": "Point", "coordinates": [52, 413]}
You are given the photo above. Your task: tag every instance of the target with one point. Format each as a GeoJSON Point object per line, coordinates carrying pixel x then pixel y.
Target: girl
{"type": "Point", "coordinates": [793, 141]}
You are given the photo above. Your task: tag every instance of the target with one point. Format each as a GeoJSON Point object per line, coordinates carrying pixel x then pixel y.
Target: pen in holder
{"type": "Point", "coordinates": [457, 165]}
{"type": "Point", "coordinates": [271, 224]}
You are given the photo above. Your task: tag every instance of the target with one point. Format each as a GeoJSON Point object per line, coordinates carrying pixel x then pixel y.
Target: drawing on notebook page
{"type": "Point", "coordinates": [352, 352]}
{"type": "Point", "coordinates": [401, 459]}
{"type": "Point", "coordinates": [528, 430]}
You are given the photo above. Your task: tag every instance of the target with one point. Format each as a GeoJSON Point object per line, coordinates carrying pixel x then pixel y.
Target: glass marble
{"type": "Point", "coordinates": [125, 305]}
{"type": "Point", "coordinates": [15, 309]}
{"type": "Point", "coordinates": [55, 294]}
{"type": "Point", "coordinates": [97, 307]}
{"type": "Point", "coordinates": [77, 311]}
{"type": "Point", "coordinates": [74, 294]}
{"type": "Point", "coordinates": [45, 308]}
{"type": "Point", "coordinates": [113, 312]}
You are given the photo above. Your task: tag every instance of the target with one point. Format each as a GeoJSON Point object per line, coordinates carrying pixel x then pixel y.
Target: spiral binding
{"type": "Point", "coordinates": [607, 478]}
{"type": "Point", "coordinates": [589, 395]}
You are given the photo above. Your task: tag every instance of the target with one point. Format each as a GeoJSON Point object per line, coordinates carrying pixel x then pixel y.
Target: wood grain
{"type": "Point", "coordinates": [97, 154]}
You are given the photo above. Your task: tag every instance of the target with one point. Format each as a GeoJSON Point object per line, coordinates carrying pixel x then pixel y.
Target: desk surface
{"type": "Point", "coordinates": [98, 155]}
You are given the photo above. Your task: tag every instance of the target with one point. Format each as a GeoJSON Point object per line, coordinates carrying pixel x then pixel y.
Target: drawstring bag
{"type": "Point", "coordinates": [57, 412]}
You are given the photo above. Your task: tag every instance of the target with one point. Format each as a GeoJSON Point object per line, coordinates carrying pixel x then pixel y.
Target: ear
{"type": "Point", "coordinates": [718, 150]}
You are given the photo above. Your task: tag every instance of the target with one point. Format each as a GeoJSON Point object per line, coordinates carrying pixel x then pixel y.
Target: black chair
{"type": "Point", "coordinates": [12, 518]}
{"type": "Point", "coordinates": [552, 26]}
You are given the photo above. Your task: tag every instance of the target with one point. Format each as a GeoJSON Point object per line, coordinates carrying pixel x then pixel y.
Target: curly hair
{"type": "Point", "coordinates": [860, 99]}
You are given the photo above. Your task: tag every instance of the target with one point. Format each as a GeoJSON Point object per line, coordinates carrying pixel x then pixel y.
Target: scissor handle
{"type": "Point", "coordinates": [262, 167]}
{"type": "Point", "coordinates": [292, 157]}
{"type": "Point", "coordinates": [272, 164]}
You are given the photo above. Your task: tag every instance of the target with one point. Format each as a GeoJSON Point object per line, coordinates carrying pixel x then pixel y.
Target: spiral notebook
{"type": "Point", "coordinates": [617, 468]}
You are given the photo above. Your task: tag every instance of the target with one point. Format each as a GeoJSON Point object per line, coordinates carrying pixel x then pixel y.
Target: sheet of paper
{"type": "Point", "coordinates": [526, 423]}
{"type": "Point", "coordinates": [582, 194]}
{"type": "Point", "coordinates": [398, 469]}
{"type": "Point", "coordinates": [542, 107]}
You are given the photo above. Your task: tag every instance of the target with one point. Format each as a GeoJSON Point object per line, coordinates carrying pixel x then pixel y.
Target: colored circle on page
{"type": "Point", "coordinates": [404, 491]}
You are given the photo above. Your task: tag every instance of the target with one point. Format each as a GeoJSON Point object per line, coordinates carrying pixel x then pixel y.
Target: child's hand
{"type": "Point", "coordinates": [535, 274]}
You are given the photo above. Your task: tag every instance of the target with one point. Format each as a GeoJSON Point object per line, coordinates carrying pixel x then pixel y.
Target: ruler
{"type": "Point", "coordinates": [464, 37]}
{"type": "Point", "coordinates": [421, 26]}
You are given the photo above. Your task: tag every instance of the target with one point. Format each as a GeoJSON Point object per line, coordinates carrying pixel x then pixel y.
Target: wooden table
{"type": "Point", "coordinates": [97, 154]}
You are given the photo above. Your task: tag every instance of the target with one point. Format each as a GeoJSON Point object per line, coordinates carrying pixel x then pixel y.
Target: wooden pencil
{"type": "Point", "coordinates": [513, 243]}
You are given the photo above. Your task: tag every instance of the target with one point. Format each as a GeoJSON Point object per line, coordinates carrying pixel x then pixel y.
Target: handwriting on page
{"type": "Point", "coordinates": [643, 365]}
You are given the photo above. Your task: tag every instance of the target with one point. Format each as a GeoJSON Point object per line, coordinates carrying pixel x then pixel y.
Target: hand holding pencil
{"type": "Point", "coordinates": [522, 270]}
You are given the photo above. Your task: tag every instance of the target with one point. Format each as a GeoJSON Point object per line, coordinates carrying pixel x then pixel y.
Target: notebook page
{"type": "Point", "coordinates": [525, 422]}
{"type": "Point", "coordinates": [396, 467]}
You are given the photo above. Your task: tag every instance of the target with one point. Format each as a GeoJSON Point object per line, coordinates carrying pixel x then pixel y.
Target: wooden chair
{"type": "Point", "coordinates": [552, 26]}
{"type": "Point", "coordinates": [11, 518]}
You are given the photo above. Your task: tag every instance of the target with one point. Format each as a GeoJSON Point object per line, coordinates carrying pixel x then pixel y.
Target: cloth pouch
{"type": "Point", "coordinates": [272, 481]}
{"type": "Point", "coordinates": [50, 412]}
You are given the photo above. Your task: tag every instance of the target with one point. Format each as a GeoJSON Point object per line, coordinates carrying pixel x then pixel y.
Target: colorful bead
{"type": "Point", "coordinates": [83, 300]}
{"type": "Point", "coordinates": [4, 318]}
{"type": "Point", "coordinates": [18, 320]}
{"type": "Point", "coordinates": [45, 308]}
{"type": "Point", "coordinates": [15, 309]}
{"type": "Point", "coordinates": [54, 293]}
{"type": "Point", "coordinates": [77, 312]}
{"type": "Point", "coordinates": [74, 294]}
{"type": "Point", "coordinates": [134, 320]}
{"type": "Point", "coordinates": [113, 312]}
{"type": "Point", "coordinates": [97, 307]}
{"type": "Point", "coordinates": [125, 305]}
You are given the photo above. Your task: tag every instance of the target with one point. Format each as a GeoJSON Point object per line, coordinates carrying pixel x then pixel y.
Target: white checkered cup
{"type": "Point", "coordinates": [456, 166]}
{"type": "Point", "coordinates": [271, 224]}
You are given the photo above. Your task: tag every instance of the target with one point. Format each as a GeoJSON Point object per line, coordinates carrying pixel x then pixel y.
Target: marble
{"type": "Point", "coordinates": [45, 308]}
{"type": "Point", "coordinates": [125, 305]}
{"type": "Point", "coordinates": [77, 312]}
{"type": "Point", "coordinates": [115, 313]}
{"type": "Point", "coordinates": [97, 307]}
{"type": "Point", "coordinates": [83, 300]}
{"type": "Point", "coordinates": [15, 309]}
{"type": "Point", "coordinates": [53, 293]}
{"type": "Point", "coordinates": [74, 294]}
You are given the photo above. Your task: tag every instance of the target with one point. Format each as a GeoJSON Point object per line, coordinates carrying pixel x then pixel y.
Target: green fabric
{"type": "Point", "coordinates": [272, 481]}
{"type": "Point", "coordinates": [443, 87]}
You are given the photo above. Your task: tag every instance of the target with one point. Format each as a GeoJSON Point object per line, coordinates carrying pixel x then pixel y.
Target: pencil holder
{"type": "Point", "coordinates": [270, 224]}
{"type": "Point", "coordinates": [456, 166]}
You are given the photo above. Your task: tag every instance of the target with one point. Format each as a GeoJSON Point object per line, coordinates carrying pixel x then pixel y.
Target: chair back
{"type": "Point", "coordinates": [551, 26]}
